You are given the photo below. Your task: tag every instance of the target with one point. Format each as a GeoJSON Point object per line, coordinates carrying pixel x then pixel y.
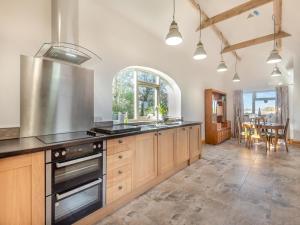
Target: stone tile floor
{"type": "Point", "coordinates": [230, 185]}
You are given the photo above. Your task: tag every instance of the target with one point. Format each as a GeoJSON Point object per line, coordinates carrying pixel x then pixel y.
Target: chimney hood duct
{"type": "Point", "coordinates": [64, 45]}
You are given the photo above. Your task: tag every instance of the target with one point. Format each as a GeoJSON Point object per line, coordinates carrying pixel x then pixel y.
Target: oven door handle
{"type": "Point", "coordinates": [76, 190]}
{"type": "Point", "coordinates": [68, 163]}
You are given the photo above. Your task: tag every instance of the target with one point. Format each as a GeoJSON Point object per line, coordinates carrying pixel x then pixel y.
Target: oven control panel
{"type": "Point", "coordinates": [76, 151]}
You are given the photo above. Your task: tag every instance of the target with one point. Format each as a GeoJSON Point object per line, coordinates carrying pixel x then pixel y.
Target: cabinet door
{"type": "Point", "coordinates": [182, 147]}
{"type": "Point", "coordinates": [166, 147]}
{"type": "Point", "coordinates": [22, 194]}
{"type": "Point", "coordinates": [145, 159]}
{"type": "Point", "coordinates": [195, 141]}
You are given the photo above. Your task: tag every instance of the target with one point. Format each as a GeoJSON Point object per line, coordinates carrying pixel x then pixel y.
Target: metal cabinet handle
{"type": "Point", "coordinates": [120, 141]}
{"type": "Point", "coordinates": [120, 157]}
{"type": "Point", "coordinates": [76, 190]}
{"type": "Point", "coordinates": [120, 187]}
{"type": "Point", "coordinates": [68, 163]}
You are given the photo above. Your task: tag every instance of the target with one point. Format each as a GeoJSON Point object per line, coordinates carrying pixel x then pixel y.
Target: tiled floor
{"type": "Point", "coordinates": [230, 185]}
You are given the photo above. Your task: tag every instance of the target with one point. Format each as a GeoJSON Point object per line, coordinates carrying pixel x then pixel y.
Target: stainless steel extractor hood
{"type": "Point", "coordinates": [64, 45]}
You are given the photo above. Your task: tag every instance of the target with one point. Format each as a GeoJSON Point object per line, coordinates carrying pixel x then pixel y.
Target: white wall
{"type": "Point", "coordinates": [25, 25]}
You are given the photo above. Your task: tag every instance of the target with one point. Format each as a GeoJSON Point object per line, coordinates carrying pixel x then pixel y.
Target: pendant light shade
{"type": "Point", "coordinates": [222, 66]}
{"type": "Point", "coordinates": [274, 55]}
{"type": "Point", "coordinates": [200, 52]}
{"type": "Point", "coordinates": [236, 77]}
{"type": "Point", "coordinates": [276, 72]}
{"type": "Point", "coordinates": [174, 36]}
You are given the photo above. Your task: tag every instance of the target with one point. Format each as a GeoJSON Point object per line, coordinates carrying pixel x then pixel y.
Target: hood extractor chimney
{"type": "Point", "coordinates": [64, 45]}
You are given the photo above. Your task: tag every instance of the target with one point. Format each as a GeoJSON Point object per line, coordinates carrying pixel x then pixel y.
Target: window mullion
{"type": "Point", "coordinates": [135, 95]}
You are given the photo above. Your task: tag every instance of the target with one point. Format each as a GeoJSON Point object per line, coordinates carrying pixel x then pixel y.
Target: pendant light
{"type": "Point", "coordinates": [274, 55]}
{"type": "Point", "coordinates": [236, 77]}
{"type": "Point", "coordinates": [200, 52]}
{"type": "Point", "coordinates": [173, 37]}
{"type": "Point", "coordinates": [222, 66]}
{"type": "Point", "coordinates": [276, 72]}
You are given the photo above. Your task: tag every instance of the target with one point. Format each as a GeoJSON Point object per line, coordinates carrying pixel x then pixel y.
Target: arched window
{"type": "Point", "coordinates": [142, 92]}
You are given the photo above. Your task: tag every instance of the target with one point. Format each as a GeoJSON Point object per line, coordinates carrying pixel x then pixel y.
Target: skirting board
{"type": "Point", "coordinates": [294, 142]}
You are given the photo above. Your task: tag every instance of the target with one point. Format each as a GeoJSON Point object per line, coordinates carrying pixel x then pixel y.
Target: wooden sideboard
{"type": "Point", "coordinates": [217, 127]}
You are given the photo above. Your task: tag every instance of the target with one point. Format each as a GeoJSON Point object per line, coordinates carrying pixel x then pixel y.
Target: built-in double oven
{"type": "Point", "coordinates": [75, 181]}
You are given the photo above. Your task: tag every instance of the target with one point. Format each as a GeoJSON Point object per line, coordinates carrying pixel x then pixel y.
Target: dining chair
{"type": "Point", "coordinates": [259, 132]}
{"type": "Point", "coordinates": [283, 136]}
{"type": "Point", "coordinates": [242, 133]}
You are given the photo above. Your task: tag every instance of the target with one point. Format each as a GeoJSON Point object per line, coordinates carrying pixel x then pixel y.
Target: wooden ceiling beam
{"type": "Point", "coordinates": [214, 27]}
{"type": "Point", "coordinates": [255, 41]}
{"type": "Point", "coordinates": [277, 11]}
{"type": "Point", "coordinates": [252, 4]}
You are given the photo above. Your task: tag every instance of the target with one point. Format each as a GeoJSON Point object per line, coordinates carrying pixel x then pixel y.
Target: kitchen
{"type": "Point", "coordinates": [40, 105]}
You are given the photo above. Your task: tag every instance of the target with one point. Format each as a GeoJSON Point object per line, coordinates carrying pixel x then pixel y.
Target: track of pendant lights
{"type": "Point", "coordinates": [174, 37]}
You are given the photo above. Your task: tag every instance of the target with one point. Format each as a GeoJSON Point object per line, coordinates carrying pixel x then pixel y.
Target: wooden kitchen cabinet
{"type": "Point", "coordinates": [195, 142]}
{"type": "Point", "coordinates": [22, 189]}
{"type": "Point", "coordinates": [145, 159]}
{"type": "Point", "coordinates": [182, 145]}
{"type": "Point", "coordinates": [119, 167]}
{"type": "Point", "coordinates": [166, 147]}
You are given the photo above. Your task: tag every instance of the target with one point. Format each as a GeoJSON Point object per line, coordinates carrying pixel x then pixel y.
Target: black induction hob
{"type": "Point", "coordinates": [63, 137]}
{"type": "Point", "coordinates": [117, 129]}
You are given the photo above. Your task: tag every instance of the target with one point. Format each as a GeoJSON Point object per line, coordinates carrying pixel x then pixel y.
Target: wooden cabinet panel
{"type": "Point", "coordinates": [166, 147]}
{"type": "Point", "coordinates": [22, 194]}
{"type": "Point", "coordinates": [120, 145]}
{"type": "Point", "coordinates": [195, 141]}
{"type": "Point", "coordinates": [145, 159]}
{"type": "Point", "coordinates": [118, 174]}
{"type": "Point", "coordinates": [120, 159]}
{"type": "Point", "coordinates": [119, 189]}
{"type": "Point", "coordinates": [119, 167]}
{"type": "Point", "coordinates": [182, 145]}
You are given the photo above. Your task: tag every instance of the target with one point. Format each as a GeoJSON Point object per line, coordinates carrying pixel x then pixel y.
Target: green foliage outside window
{"type": "Point", "coordinates": [123, 94]}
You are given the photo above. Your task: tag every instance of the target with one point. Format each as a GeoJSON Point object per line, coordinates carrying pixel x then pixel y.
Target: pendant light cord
{"type": "Point", "coordinates": [221, 45]}
{"type": "Point", "coordinates": [173, 10]}
{"type": "Point", "coordinates": [235, 63]}
{"type": "Point", "coordinates": [200, 14]}
{"type": "Point", "coordinates": [274, 35]}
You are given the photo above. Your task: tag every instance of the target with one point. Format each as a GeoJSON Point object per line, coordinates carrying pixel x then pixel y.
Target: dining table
{"type": "Point", "coordinates": [270, 127]}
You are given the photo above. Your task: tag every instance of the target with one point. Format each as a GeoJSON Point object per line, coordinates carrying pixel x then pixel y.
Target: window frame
{"type": "Point", "coordinates": [138, 83]}
{"type": "Point", "coordinates": [255, 98]}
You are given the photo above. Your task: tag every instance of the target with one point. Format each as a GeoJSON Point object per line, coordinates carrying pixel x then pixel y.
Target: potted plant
{"type": "Point", "coordinates": [163, 111]}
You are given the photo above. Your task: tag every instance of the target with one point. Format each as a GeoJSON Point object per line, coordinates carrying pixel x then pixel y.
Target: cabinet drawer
{"type": "Point", "coordinates": [119, 190]}
{"type": "Point", "coordinates": [118, 174]}
{"type": "Point", "coordinates": [118, 160]}
{"type": "Point", "coordinates": [120, 145]}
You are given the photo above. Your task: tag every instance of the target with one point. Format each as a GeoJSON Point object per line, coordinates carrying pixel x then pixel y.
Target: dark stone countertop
{"type": "Point", "coordinates": [20, 146]}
